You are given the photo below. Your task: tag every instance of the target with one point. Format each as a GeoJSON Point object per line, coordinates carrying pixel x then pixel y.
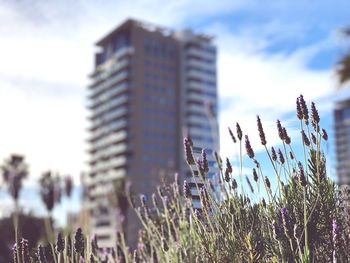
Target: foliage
{"type": "Point", "coordinates": [343, 65]}
{"type": "Point", "coordinates": [298, 219]}
{"type": "Point", "coordinates": [32, 230]}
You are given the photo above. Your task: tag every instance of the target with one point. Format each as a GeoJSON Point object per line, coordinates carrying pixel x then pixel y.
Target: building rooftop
{"type": "Point", "coordinates": [342, 103]}
{"type": "Point", "coordinates": [147, 26]}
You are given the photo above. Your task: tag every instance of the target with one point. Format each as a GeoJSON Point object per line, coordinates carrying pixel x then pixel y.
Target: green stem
{"type": "Point", "coordinates": [16, 222]}
{"type": "Point", "coordinates": [241, 166]}
{"type": "Point", "coordinates": [49, 234]}
{"type": "Point", "coordinates": [287, 158]}
{"type": "Point", "coordinates": [305, 226]}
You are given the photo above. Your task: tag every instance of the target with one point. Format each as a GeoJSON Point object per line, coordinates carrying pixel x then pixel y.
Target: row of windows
{"type": "Point", "coordinates": [202, 138]}
{"type": "Point", "coordinates": [159, 65]}
{"type": "Point", "coordinates": [161, 89]}
{"type": "Point", "coordinates": [106, 129]}
{"type": "Point", "coordinates": [157, 159]}
{"type": "Point", "coordinates": [107, 117]}
{"type": "Point", "coordinates": [199, 150]}
{"type": "Point", "coordinates": [160, 124]}
{"type": "Point", "coordinates": [159, 113]}
{"type": "Point", "coordinates": [202, 70]}
{"type": "Point", "coordinates": [205, 127]}
{"type": "Point", "coordinates": [159, 49]}
{"type": "Point", "coordinates": [110, 104]}
{"type": "Point", "coordinates": [202, 93]}
{"type": "Point", "coordinates": [151, 147]}
{"type": "Point", "coordinates": [158, 135]}
{"type": "Point", "coordinates": [152, 99]}
{"type": "Point", "coordinates": [198, 46]}
{"type": "Point", "coordinates": [156, 76]}
{"type": "Point", "coordinates": [343, 114]}
{"type": "Point", "coordinates": [110, 82]}
{"type": "Point", "coordinates": [113, 91]}
{"type": "Point", "coordinates": [120, 41]}
{"type": "Point", "coordinates": [200, 115]}
{"type": "Point", "coordinates": [200, 59]}
{"type": "Point", "coordinates": [207, 83]}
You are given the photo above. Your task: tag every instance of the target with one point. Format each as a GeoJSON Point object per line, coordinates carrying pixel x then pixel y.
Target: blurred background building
{"type": "Point", "coordinates": [342, 145]}
{"type": "Point", "coordinates": [151, 87]}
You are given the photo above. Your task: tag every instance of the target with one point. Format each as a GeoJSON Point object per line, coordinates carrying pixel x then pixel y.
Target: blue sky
{"type": "Point", "coordinates": [269, 53]}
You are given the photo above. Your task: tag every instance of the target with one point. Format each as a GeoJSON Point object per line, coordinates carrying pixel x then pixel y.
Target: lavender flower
{"type": "Point", "coordinates": [267, 182]}
{"type": "Point", "coordinates": [273, 154]}
{"type": "Point", "coordinates": [25, 251]}
{"type": "Point", "coordinates": [200, 166]}
{"type": "Point", "coordinates": [14, 171]}
{"type": "Point", "coordinates": [263, 202]}
{"type": "Point", "coordinates": [14, 253]}
{"type": "Point", "coordinates": [186, 190]}
{"type": "Point", "coordinates": [232, 136]}
{"type": "Point", "coordinates": [301, 175]}
{"type": "Point", "coordinates": [315, 118]}
{"type": "Point", "coordinates": [41, 254]}
{"type": "Point", "coordinates": [313, 137]}
{"type": "Point", "coordinates": [261, 131]}
{"type": "Point", "coordinates": [291, 155]}
{"type": "Point", "coordinates": [204, 161]}
{"type": "Point", "coordinates": [305, 138]}
{"type": "Point", "coordinates": [227, 175]}
{"type": "Point", "coordinates": [280, 130]}
{"type": "Point", "coordinates": [280, 156]}
{"type": "Point", "coordinates": [60, 243]}
{"type": "Point", "coordinates": [304, 109]}
{"type": "Point", "coordinates": [198, 214]}
{"type": "Point", "coordinates": [143, 200]}
{"type": "Point", "coordinates": [234, 184]}
{"type": "Point", "coordinates": [239, 132]}
{"type": "Point", "coordinates": [287, 139]}
{"type": "Point", "coordinates": [188, 151]}
{"type": "Point", "coordinates": [255, 175]}
{"type": "Point", "coordinates": [79, 241]}
{"type": "Point", "coordinates": [228, 165]}
{"type": "Point", "coordinates": [324, 135]}
{"type": "Point", "coordinates": [257, 164]}
{"type": "Point", "coordinates": [47, 190]}
{"type": "Point", "coordinates": [249, 148]}
{"type": "Point", "coordinates": [299, 111]}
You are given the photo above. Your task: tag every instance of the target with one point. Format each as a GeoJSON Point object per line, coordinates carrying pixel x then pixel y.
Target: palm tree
{"type": "Point", "coordinates": [14, 170]}
{"type": "Point", "coordinates": [343, 65]}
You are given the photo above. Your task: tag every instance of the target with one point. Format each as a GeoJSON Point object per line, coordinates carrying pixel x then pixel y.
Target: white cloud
{"type": "Point", "coordinates": [49, 46]}
{"type": "Point", "coordinates": [253, 82]}
{"type": "Point", "coordinates": [46, 52]}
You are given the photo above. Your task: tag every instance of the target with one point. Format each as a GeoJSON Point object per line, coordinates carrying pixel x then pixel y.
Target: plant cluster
{"type": "Point", "coordinates": [299, 218]}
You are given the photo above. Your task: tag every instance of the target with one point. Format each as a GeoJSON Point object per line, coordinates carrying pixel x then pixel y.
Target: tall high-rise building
{"type": "Point", "coordinates": [150, 87]}
{"type": "Point", "coordinates": [342, 143]}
